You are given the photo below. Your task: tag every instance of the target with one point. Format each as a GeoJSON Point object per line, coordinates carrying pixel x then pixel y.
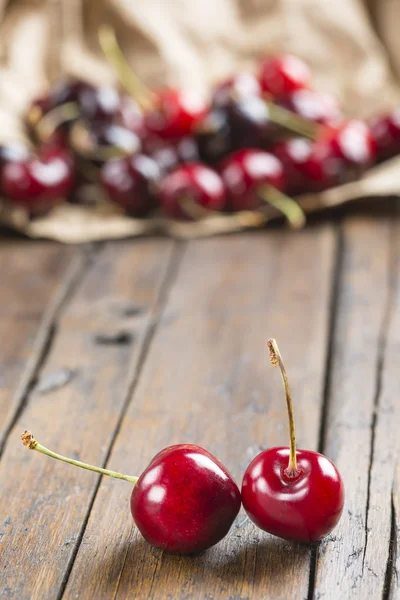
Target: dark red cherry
{"type": "Point", "coordinates": [195, 183]}
{"type": "Point", "coordinates": [245, 172]}
{"type": "Point", "coordinates": [305, 507]}
{"type": "Point", "coordinates": [176, 113]}
{"type": "Point", "coordinates": [169, 153]}
{"type": "Point", "coordinates": [250, 123]}
{"type": "Point", "coordinates": [41, 181]}
{"type": "Point", "coordinates": [341, 156]}
{"type": "Point", "coordinates": [294, 494]}
{"type": "Point", "coordinates": [314, 106]}
{"type": "Point", "coordinates": [95, 103]}
{"type": "Point", "coordinates": [281, 75]}
{"type": "Point", "coordinates": [132, 182]}
{"type": "Point", "coordinates": [242, 85]}
{"type": "Point", "coordinates": [100, 140]}
{"type": "Point", "coordinates": [294, 155]}
{"type": "Point", "coordinates": [386, 133]}
{"type": "Point", "coordinates": [214, 136]}
{"type": "Point", "coordinates": [185, 501]}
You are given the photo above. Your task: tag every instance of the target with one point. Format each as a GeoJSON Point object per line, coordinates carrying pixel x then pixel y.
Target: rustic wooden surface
{"type": "Point", "coordinates": [113, 351]}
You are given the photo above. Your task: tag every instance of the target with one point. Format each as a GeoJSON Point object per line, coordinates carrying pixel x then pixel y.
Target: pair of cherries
{"type": "Point", "coordinates": [185, 501]}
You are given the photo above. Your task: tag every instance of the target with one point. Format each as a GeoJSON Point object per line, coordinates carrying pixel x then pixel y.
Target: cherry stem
{"type": "Point", "coordinates": [132, 84]}
{"type": "Point", "coordinates": [29, 441]}
{"type": "Point", "coordinates": [288, 119]}
{"type": "Point", "coordinates": [48, 124]}
{"type": "Point", "coordinates": [276, 360]}
{"type": "Point", "coordinates": [293, 212]}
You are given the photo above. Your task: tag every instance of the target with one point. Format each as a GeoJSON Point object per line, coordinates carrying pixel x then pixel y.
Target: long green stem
{"type": "Point", "coordinates": [132, 84]}
{"type": "Point", "coordinates": [276, 360]}
{"type": "Point", "coordinates": [29, 441]}
{"type": "Point", "coordinates": [288, 119]}
{"type": "Point", "coordinates": [286, 205]}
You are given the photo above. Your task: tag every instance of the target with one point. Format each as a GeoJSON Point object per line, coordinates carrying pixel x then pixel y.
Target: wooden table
{"type": "Point", "coordinates": [112, 352]}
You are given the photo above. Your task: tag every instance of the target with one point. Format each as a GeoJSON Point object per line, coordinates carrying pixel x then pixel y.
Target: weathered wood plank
{"type": "Point", "coordinates": [207, 380]}
{"type": "Point", "coordinates": [35, 277]}
{"type": "Point", "coordinates": [100, 341]}
{"type": "Point", "coordinates": [359, 431]}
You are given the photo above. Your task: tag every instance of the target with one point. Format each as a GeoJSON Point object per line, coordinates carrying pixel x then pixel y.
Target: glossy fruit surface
{"type": "Point", "coordinates": [176, 113]}
{"type": "Point", "coordinates": [303, 508]}
{"type": "Point", "coordinates": [245, 171]}
{"type": "Point", "coordinates": [294, 155]}
{"type": "Point", "coordinates": [39, 181]}
{"type": "Point", "coordinates": [355, 143]}
{"type": "Point", "coordinates": [315, 106]}
{"type": "Point", "coordinates": [169, 153]}
{"type": "Point", "coordinates": [386, 133]}
{"type": "Point", "coordinates": [214, 136]}
{"type": "Point", "coordinates": [282, 75]}
{"type": "Point", "coordinates": [185, 501]}
{"type": "Point", "coordinates": [196, 183]}
{"type": "Point", "coordinates": [242, 85]}
{"type": "Point", "coordinates": [250, 123]}
{"type": "Point", "coordinates": [132, 182]}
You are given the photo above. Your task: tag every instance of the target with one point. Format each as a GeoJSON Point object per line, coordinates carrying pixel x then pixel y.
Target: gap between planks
{"type": "Point", "coordinates": [171, 272]}
{"type": "Point", "coordinates": [45, 335]}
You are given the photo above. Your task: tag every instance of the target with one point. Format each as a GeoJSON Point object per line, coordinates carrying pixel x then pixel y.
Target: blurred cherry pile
{"type": "Point", "coordinates": [259, 139]}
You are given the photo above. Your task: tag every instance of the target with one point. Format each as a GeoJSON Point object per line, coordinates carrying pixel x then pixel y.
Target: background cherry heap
{"type": "Point", "coordinates": [260, 139]}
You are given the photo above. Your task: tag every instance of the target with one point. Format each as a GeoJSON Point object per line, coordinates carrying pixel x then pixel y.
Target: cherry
{"type": "Point", "coordinates": [293, 155]}
{"type": "Point", "coordinates": [242, 85]}
{"type": "Point", "coordinates": [294, 494]}
{"type": "Point", "coordinates": [189, 189]}
{"type": "Point", "coordinates": [342, 155]}
{"type": "Point", "coordinates": [281, 75]}
{"type": "Point", "coordinates": [253, 177]}
{"type": "Point", "coordinates": [386, 133]}
{"type": "Point", "coordinates": [315, 106]}
{"type": "Point", "coordinates": [168, 154]}
{"type": "Point", "coordinates": [176, 113]}
{"type": "Point", "coordinates": [214, 136]}
{"type": "Point", "coordinates": [184, 502]}
{"type": "Point", "coordinates": [132, 182]}
{"type": "Point", "coordinates": [41, 181]}
{"type": "Point", "coordinates": [95, 103]}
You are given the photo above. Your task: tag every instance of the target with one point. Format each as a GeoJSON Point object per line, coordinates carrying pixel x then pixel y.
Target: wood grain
{"type": "Point", "coordinates": [207, 380]}
{"type": "Point", "coordinates": [360, 435]}
{"type": "Point", "coordinates": [100, 339]}
{"type": "Point", "coordinates": [35, 279]}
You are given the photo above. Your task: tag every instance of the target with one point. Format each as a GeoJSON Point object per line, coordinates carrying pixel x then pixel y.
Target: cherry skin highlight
{"type": "Point", "coordinates": [281, 75]}
{"type": "Point", "coordinates": [195, 183]}
{"type": "Point", "coordinates": [294, 494]}
{"type": "Point", "coordinates": [245, 171]}
{"type": "Point", "coordinates": [175, 114]}
{"type": "Point", "coordinates": [40, 181]}
{"type": "Point", "coordinates": [132, 183]}
{"type": "Point", "coordinates": [304, 508]}
{"type": "Point", "coordinates": [185, 501]}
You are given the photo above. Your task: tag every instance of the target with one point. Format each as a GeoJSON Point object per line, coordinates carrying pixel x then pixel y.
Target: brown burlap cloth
{"type": "Point", "coordinates": [353, 48]}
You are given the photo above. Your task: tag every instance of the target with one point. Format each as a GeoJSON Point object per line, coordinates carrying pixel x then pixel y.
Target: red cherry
{"type": "Point", "coordinates": [240, 86]}
{"type": "Point", "coordinates": [314, 106]}
{"type": "Point", "coordinates": [185, 501]}
{"type": "Point", "coordinates": [40, 181]}
{"type": "Point", "coordinates": [296, 495]}
{"type": "Point", "coordinates": [386, 133]}
{"type": "Point", "coordinates": [195, 183]}
{"type": "Point", "coordinates": [131, 182]}
{"type": "Point", "coordinates": [304, 508]}
{"type": "Point", "coordinates": [244, 172]}
{"type": "Point", "coordinates": [293, 155]}
{"type": "Point", "coordinates": [281, 75]}
{"type": "Point", "coordinates": [344, 154]}
{"type": "Point", "coordinates": [176, 113]}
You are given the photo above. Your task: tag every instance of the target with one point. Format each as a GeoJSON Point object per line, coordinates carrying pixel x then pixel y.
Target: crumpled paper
{"type": "Point", "coordinates": [352, 47]}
